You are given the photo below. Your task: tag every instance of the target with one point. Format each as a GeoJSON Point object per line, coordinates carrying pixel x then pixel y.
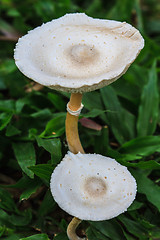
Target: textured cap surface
{"type": "Point", "coordinates": [92, 187]}
{"type": "Point", "coordinates": [77, 53]}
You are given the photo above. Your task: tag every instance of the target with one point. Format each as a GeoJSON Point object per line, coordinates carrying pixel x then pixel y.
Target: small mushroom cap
{"type": "Point", "coordinates": [77, 53]}
{"type": "Point", "coordinates": [92, 187]}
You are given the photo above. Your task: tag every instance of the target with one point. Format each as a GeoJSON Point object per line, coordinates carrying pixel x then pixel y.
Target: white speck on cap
{"type": "Point", "coordinates": [77, 53]}
{"type": "Point", "coordinates": [92, 187]}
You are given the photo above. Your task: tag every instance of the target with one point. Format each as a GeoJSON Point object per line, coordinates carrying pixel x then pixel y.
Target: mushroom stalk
{"type": "Point", "coordinates": [71, 230]}
{"type": "Point", "coordinates": [72, 135]}
{"type": "Point", "coordinates": [75, 146]}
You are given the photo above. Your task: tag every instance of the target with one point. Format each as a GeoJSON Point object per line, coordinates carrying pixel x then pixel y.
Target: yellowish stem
{"type": "Point", "coordinates": [72, 135]}
{"type": "Point", "coordinates": [75, 146]}
{"type": "Point", "coordinates": [72, 228]}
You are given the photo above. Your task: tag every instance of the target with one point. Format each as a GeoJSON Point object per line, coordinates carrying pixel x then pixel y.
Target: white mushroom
{"type": "Point", "coordinates": [92, 187]}
{"type": "Point", "coordinates": [77, 53]}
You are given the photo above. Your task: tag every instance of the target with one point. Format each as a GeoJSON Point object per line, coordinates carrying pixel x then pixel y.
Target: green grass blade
{"type": "Point", "coordinates": [25, 155]}
{"type": "Point", "coordinates": [148, 109]}
{"type": "Point", "coordinates": [120, 120]}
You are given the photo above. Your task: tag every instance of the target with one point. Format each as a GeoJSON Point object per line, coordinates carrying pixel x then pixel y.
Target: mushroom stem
{"type": "Point", "coordinates": [71, 230]}
{"type": "Point", "coordinates": [75, 146]}
{"type": "Point", "coordinates": [72, 135]}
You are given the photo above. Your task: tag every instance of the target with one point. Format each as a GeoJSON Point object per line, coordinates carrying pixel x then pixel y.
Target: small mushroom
{"type": "Point", "coordinates": [92, 187]}
{"type": "Point", "coordinates": [77, 53]}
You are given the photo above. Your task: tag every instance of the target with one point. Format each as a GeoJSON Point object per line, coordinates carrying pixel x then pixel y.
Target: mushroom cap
{"type": "Point", "coordinates": [92, 187]}
{"type": "Point", "coordinates": [77, 53]}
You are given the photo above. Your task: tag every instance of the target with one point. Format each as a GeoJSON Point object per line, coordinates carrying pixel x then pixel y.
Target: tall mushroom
{"type": "Point", "coordinates": [77, 54]}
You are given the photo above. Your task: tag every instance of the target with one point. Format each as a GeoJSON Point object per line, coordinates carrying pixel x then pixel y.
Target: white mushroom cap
{"type": "Point", "coordinates": [77, 53]}
{"type": "Point", "coordinates": [92, 187]}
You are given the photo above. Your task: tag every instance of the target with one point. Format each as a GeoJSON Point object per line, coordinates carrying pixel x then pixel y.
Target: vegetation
{"type": "Point", "coordinates": [125, 125]}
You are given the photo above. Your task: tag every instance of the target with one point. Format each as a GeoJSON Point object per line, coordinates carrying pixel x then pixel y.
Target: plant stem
{"type": "Point", "coordinates": [75, 146]}
{"type": "Point", "coordinates": [72, 135]}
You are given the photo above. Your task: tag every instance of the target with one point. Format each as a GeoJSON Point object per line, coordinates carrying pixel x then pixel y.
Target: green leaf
{"type": "Point", "coordinates": [153, 26]}
{"type": "Point", "coordinates": [121, 121]}
{"type": "Point", "coordinates": [53, 146]}
{"type": "Point", "coordinates": [13, 237]}
{"type": "Point", "coordinates": [134, 227]}
{"type": "Point", "coordinates": [7, 105]}
{"type": "Point", "coordinates": [5, 27]}
{"type": "Point", "coordinates": [135, 205]}
{"type": "Point", "coordinates": [143, 164]}
{"type": "Point", "coordinates": [54, 127]}
{"type": "Point", "coordinates": [42, 114]}
{"type": "Point", "coordinates": [6, 201]}
{"type": "Point", "coordinates": [13, 13]}
{"type": "Point", "coordinates": [20, 103]}
{"type": "Point", "coordinates": [121, 10]}
{"type": "Point", "coordinates": [2, 84]}
{"type": "Point", "coordinates": [36, 237]}
{"type": "Point", "coordinates": [31, 188]}
{"type": "Point", "coordinates": [25, 155]}
{"type": "Point", "coordinates": [111, 229]}
{"type": "Point", "coordinates": [28, 185]}
{"type": "Point", "coordinates": [147, 187]}
{"type": "Point", "coordinates": [93, 113]}
{"type": "Point", "coordinates": [155, 234]}
{"type": "Point", "coordinates": [24, 183]}
{"type": "Point", "coordinates": [8, 66]}
{"type": "Point", "coordinates": [12, 131]}
{"type": "Point", "coordinates": [94, 234]}
{"type": "Point", "coordinates": [57, 101]}
{"type": "Point", "coordinates": [129, 157]}
{"type": "Point", "coordinates": [21, 220]}
{"type": "Point", "coordinates": [149, 106]}
{"type": "Point", "coordinates": [146, 224]}
{"type": "Point", "coordinates": [43, 171]}
{"type": "Point", "coordinates": [2, 230]}
{"type": "Point", "coordinates": [47, 205]}
{"type": "Point", "coordinates": [93, 100]}
{"type": "Point", "coordinates": [125, 159]}
{"type": "Point", "coordinates": [138, 10]}
{"type": "Point", "coordinates": [61, 236]}
{"type": "Point", "coordinates": [5, 231]}
{"type": "Point", "coordinates": [131, 84]}
{"type": "Point", "coordinates": [4, 217]}
{"type": "Point", "coordinates": [143, 146]}
{"type": "Point", "coordinates": [5, 118]}
{"type": "Point", "coordinates": [103, 142]}
{"type": "Point", "coordinates": [96, 6]}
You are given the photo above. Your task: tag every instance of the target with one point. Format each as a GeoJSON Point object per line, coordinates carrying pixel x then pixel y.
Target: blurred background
{"type": "Point", "coordinates": [123, 124]}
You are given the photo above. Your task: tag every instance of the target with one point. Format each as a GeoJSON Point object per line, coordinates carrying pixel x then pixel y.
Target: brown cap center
{"type": "Point", "coordinates": [83, 53]}
{"type": "Point", "coordinates": [95, 187]}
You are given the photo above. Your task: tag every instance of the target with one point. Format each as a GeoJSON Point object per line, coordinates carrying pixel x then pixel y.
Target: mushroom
{"type": "Point", "coordinates": [92, 187]}
{"type": "Point", "coordinates": [77, 54]}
